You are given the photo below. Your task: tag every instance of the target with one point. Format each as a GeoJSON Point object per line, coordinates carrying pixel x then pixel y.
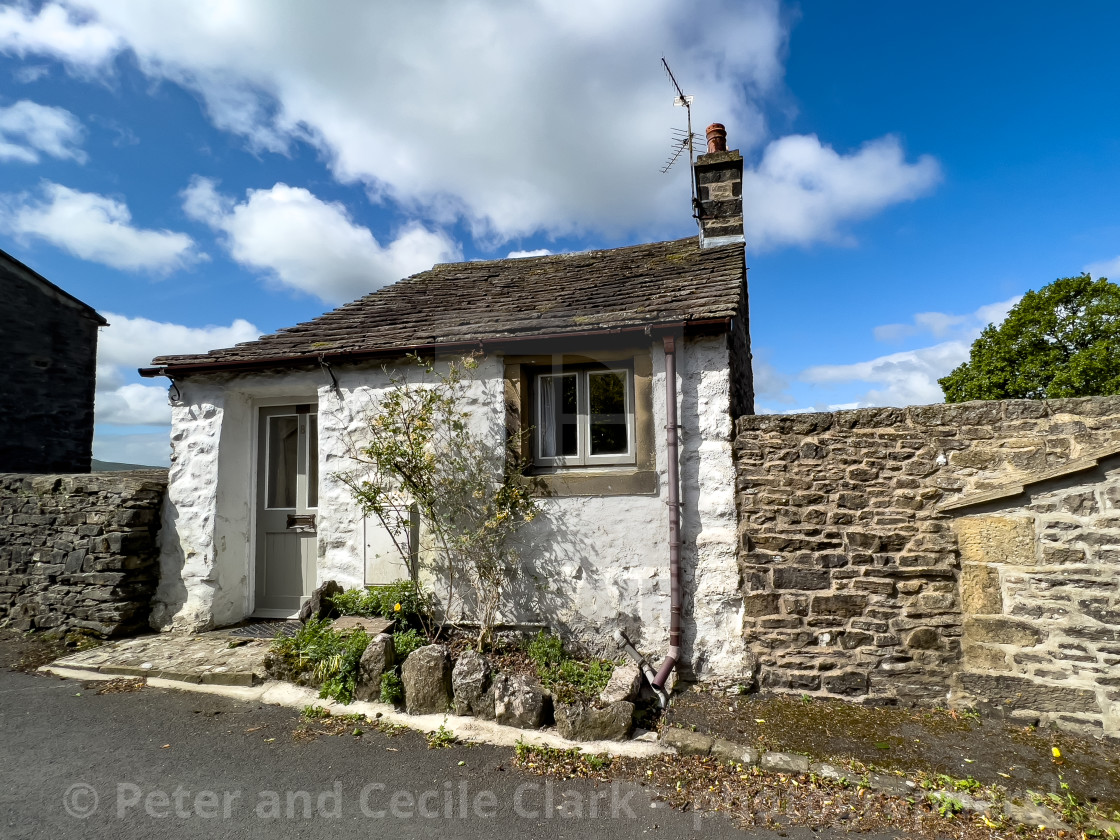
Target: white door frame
{"type": "Point", "coordinates": [255, 448]}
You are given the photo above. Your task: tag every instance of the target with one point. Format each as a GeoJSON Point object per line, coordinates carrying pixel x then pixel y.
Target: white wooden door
{"type": "Point", "coordinates": [287, 499]}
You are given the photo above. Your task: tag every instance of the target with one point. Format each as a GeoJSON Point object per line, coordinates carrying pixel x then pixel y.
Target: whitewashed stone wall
{"type": "Point", "coordinates": [591, 564]}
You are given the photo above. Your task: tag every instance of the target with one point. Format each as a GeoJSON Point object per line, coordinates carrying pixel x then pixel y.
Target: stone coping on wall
{"type": "Point", "coordinates": [1088, 461]}
{"type": "Point", "coordinates": [974, 412]}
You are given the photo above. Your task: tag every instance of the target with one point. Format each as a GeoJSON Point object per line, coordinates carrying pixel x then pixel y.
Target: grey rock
{"type": "Point", "coordinates": [426, 675]}
{"type": "Point", "coordinates": [686, 742]}
{"type": "Point", "coordinates": [470, 683]}
{"type": "Point", "coordinates": [1034, 815]}
{"type": "Point", "coordinates": [892, 785]}
{"type": "Point", "coordinates": [379, 657]}
{"type": "Point", "coordinates": [584, 722]}
{"type": "Point", "coordinates": [518, 701]}
{"type": "Point", "coordinates": [624, 684]}
{"type": "Point", "coordinates": [739, 753]}
{"type": "Point", "coordinates": [782, 762]}
{"type": "Point", "coordinates": [321, 603]}
{"type": "Point", "coordinates": [829, 771]}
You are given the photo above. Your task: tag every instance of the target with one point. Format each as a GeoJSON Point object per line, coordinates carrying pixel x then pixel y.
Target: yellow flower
{"type": "Point", "coordinates": [1057, 753]}
{"type": "Point", "coordinates": [396, 607]}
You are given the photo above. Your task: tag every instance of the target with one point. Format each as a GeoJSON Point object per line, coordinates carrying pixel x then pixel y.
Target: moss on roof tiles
{"type": "Point", "coordinates": [460, 303]}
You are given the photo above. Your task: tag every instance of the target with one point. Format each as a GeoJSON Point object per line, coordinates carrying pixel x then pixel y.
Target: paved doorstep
{"type": "Point", "coordinates": [202, 659]}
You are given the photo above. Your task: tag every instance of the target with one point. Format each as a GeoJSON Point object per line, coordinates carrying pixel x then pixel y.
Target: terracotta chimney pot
{"type": "Point", "coordinates": [717, 138]}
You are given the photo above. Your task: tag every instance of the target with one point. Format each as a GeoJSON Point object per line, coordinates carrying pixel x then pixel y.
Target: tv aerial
{"type": "Point", "coordinates": [683, 139]}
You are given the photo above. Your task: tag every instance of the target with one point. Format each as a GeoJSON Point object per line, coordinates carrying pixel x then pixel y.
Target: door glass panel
{"type": "Point", "coordinates": [283, 447]}
{"type": "Point", "coordinates": [312, 461]}
{"type": "Point", "coordinates": [559, 416]}
{"type": "Point", "coordinates": [607, 410]}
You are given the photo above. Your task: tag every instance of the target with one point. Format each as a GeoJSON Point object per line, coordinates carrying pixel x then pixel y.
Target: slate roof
{"type": "Point", "coordinates": [469, 303]}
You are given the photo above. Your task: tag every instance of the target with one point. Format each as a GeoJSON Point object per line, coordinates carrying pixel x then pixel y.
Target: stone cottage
{"type": "Point", "coordinates": [49, 342]}
{"type": "Point", "coordinates": [627, 368]}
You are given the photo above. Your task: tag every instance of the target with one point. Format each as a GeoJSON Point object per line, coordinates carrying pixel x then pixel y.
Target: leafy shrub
{"type": "Point", "coordinates": [402, 600]}
{"type": "Point", "coordinates": [568, 679]}
{"type": "Point", "coordinates": [546, 650]}
{"type": "Point", "coordinates": [406, 641]}
{"type": "Point", "coordinates": [324, 657]}
{"type": "Point", "coordinates": [392, 689]}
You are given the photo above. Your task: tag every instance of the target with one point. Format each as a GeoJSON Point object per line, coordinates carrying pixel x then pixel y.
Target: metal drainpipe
{"type": "Point", "coordinates": [674, 515]}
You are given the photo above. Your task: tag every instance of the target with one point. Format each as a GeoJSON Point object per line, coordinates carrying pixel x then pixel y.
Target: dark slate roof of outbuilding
{"type": "Point", "coordinates": [463, 304]}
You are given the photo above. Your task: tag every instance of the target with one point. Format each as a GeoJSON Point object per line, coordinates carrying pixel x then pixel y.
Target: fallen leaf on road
{"type": "Point", "coordinates": [165, 747]}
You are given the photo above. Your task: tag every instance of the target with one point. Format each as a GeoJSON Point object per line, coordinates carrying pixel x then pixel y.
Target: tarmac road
{"type": "Point", "coordinates": [163, 763]}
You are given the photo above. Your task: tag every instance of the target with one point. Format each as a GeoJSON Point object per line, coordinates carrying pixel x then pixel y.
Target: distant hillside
{"type": "Point", "coordinates": [113, 466]}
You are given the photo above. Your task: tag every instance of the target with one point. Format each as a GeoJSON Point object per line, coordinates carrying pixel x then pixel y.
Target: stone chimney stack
{"type": "Point", "coordinates": [719, 192]}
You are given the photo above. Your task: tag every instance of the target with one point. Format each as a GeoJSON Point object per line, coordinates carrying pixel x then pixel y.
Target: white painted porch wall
{"type": "Point", "coordinates": [590, 563]}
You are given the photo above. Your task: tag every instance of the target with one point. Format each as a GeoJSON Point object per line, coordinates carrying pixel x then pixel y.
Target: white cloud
{"type": "Point", "coordinates": [518, 117]}
{"type": "Point", "coordinates": [802, 191]}
{"type": "Point", "coordinates": [95, 228]}
{"type": "Point", "coordinates": [56, 32]}
{"type": "Point", "coordinates": [946, 325]}
{"type": "Point", "coordinates": [906, 378]}
{"type": "Point", "coordinates": [130, 343]}
{"type": "Point", "coordinates": [28, 73]}
{"type": "Point", "coordinates": [28, 129]}
{"type": "Point", "coordinates": [312, 245]}
{"type": "Point", "coordinates": [539, 252]}
{"type": "Point", "coordinates": [1105, 268]}
{"type": "Point", "coordinates": [910, 377]}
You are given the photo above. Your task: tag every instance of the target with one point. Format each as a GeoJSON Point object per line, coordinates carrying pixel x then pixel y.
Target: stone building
{"type": "Point", "coordinates": [589, 355]}
{"type": "Point", "coordinates": [49, 342]}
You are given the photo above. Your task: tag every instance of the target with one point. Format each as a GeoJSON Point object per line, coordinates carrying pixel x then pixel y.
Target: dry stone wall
{"type": "Point", "coordinates": [78, 552]}
{"type": "Point", "coordinates": [852, 573]}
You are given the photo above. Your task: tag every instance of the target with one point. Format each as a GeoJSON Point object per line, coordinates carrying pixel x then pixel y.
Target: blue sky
{"type": "Point", "coordinates": [203, 172]}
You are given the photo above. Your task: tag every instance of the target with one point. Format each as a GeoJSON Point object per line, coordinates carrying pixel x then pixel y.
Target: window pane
{"type": "Point", "coordinates": [312, 461]}
{"type": "Point", "coordinates": [283, 437]}
{"type": "Point", "coordinates": [559, 416]}
{"type": "Point", "coordinates": [607, 403]}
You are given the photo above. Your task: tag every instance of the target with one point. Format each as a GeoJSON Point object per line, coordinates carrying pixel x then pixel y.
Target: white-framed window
{"type": "Point", "coordinates": [584, 417]}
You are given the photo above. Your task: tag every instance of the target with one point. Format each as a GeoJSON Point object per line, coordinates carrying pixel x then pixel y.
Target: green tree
{"type": "Point", "coordinates": [1061, 341]}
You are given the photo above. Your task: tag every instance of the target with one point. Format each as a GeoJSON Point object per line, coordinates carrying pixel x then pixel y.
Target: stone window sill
{"type": "Point", "coordinates": [625, 481]}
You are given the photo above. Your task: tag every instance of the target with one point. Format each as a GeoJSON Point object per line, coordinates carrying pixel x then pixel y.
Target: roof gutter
{"type": "Point", "coordinates": [172, 369]}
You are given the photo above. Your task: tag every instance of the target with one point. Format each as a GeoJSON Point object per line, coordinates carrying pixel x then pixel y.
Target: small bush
{"type": "Point", "coordinates": [546, 650]}
{"type": "Point", "coordinates": [405, 642]}
{"type": "Point", "coordinates": [323, 657]}
{"type": "Point", "coordinates": [392, 689]}
{"type": "Point", "coordinates": [569, 680]}
{"type": "Point", "coordinates": [402, 600]}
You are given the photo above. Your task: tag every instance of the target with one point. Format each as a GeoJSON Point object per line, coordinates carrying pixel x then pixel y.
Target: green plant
{"type": "Point", "coordinates": [597, 762]}
{"type": "Point", "coordinates": [1075, 812]}
{"type": "Point", "coordinates": [568, 679]}
{"type": "Point", "coordinates": [546, 650]}
{"type": "Point", "coordinates": [329, 657]}
{"type": "Point", "coordinates": [392, 689]}
{"type": "Point", "coordinates": [424, 460]}
{"type": "Point", "coordinates": [403, 600]}
{"type": "Point", "coordinates": [946, 805]}
{"type": "Point", "coordinates": [405, 642]}
{"type": "Point", "coordinates": [441, 738]}
{"type": "Point", "coordinates": [315, 712]}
